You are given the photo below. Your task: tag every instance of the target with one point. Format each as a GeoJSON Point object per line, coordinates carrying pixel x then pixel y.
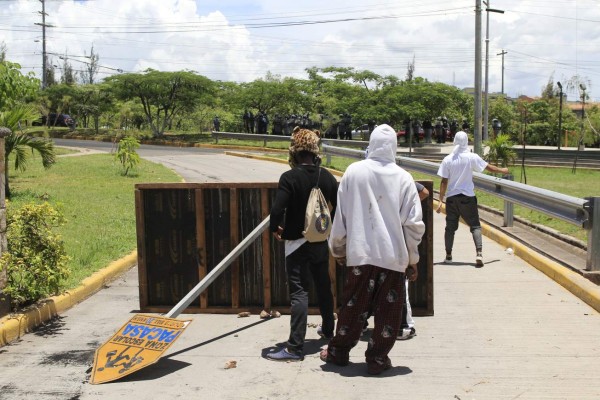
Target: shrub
{"type": "Point", "coordinates": [36, 260]}
{"type": "Point", "coordinates": [500, 151]}
{"type": "Point", "coordinates": [126, 153]}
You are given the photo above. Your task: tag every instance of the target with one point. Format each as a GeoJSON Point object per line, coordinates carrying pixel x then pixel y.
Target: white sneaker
{"type": "Point", "coordinates": [407, 333]}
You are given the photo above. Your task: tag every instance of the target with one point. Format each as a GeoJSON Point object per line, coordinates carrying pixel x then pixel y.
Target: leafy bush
{"type": "Point", "coordinates": [36, 260]}
{"type": "Point", "coordinates": [126, 153]}
{"type": "Point", "coordinates": [500, 151]}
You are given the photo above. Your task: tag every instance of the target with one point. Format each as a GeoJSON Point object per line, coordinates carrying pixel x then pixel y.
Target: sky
{"type": "Point", "coordinates": [240, 41]}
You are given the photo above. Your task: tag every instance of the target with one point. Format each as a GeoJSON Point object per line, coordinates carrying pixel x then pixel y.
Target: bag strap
{"type": "Point", "coordinates": [318, 176]}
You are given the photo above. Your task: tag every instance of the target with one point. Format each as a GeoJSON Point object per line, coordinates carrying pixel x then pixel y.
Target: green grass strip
{"type": "Point", "coordinates": [97, 201]}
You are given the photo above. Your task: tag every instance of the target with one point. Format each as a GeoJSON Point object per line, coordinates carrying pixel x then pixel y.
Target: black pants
{"type": "Point", "coordinates": [309, 260]}
{"type": "Point", "coordinates": [466, 207]}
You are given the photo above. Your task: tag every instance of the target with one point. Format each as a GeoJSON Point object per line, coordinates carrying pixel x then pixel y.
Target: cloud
{"type": "Point", "coordinates": [241, 41]}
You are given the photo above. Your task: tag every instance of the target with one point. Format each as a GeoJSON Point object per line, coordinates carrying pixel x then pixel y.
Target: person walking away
{"type": "Point", "coordinates": [407, 326]}
{"type": "Point", "coordinates": [216, 123]}
{"type": "Point", "coordinates": [456, 171]}
{"type": "Point", "coordinates": [303, 259]}
{"type": "Point", "coordinates": [376, 232]}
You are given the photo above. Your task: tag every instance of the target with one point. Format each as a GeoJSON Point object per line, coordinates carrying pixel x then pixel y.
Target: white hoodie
{"type": "Point", "coordinates": [378, 220]}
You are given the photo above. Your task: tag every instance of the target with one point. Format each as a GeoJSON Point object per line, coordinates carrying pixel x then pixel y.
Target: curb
{"type": "Point", "coordinates": [14, 326]}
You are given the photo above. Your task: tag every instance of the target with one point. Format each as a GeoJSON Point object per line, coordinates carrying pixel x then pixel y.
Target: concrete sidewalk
{"type": "Point", "coordinates": [502, 331]}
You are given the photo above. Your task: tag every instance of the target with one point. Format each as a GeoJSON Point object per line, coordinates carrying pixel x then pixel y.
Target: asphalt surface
{"type": "Point", "coordinates": [504, 331]}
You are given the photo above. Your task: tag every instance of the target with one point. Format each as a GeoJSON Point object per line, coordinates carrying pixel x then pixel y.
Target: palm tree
{"type": "Point", "coordinates": [500, 152]}
{"type": "Point", "coordinates": [20, 143]}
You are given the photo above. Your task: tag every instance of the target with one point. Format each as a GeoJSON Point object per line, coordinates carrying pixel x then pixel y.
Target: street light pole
{"type": "Point", "coordinates": [560, 113]}
{"type": "Point", "coordinates": [477, 94]}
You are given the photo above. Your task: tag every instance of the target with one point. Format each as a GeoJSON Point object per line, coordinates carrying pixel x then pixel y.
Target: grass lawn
{"type": "Point", "coordinates": [97, 201]}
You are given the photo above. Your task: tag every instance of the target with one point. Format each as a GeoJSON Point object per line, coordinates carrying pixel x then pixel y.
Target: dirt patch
{"type": "Point", "coordinates": [72, 357]}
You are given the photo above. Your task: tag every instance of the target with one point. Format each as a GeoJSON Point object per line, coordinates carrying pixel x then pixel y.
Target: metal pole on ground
{"type": "Point", "coordinates": [216, 271]}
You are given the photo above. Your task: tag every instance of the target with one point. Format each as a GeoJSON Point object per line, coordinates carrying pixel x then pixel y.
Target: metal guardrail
{"type": "Point", "coordinates": [282, 138]}
{"type": "Point", "coordinates": [249, 136]}
{"type": "Point", "coordinates": [576, 211]}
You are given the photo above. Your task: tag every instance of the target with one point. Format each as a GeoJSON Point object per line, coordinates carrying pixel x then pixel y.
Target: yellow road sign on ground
{"type": "Point", "coordinates": [139, 343]}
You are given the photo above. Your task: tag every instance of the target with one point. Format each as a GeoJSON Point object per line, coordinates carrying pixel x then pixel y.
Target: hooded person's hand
{"type": "Point", "coordinates": [412, 273]}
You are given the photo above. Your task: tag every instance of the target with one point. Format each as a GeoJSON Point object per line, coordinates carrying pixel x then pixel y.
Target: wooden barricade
{"type": "Point", "coordinates": [185, 229]}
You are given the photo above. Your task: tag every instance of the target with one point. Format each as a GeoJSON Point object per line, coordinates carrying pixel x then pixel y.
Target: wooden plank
{"type": "Point", "coordinates": [234, 223]}
{"type": "Point", "coordinates": [141, 248]}
{"type": "Point", "coordinates": [201, 243]}
{"type": "Point", "coordinates": [205, 185]}
{"type": "Point", "coordinates": [266, 253]}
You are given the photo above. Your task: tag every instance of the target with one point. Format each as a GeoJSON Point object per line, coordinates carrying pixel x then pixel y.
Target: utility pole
{"type": "Point", "coordinates": [486, 116]}
{"type": "Point", "coordinates": [43, 25]}
{"type": "Point", "coordinates": [477, 127]}
{"type": "Point", "coordinates": [502, 54]}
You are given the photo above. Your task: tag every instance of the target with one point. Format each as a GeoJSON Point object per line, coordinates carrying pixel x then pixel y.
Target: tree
{"type": "Point", "coordinates": [88, 75]}
{"type": "Point", "coordinates": [548, 91]}
{"type": "Point", "coordinates": [162, 94]}
{"type": "Point", "coordinates": [21, 144]}
{"type": "Point", "coordinates": [2, 52]}
{"type": "Point", "coordinates": [127, 154]}
{"type": "Point", "coordinates": [502, 110]}
{"type": "Point", "coordinates": [58, 99]}
{"type": "Point", "coordinates": [50, 73]}
{"type": "Point", "coordinates": [14, 86]}
{"type": "Point", "coordinates": [69, 76]}
{"type": "Point", "coordinates": [410, 70]}
{"type": "Point", "coordinates": [93, 101]}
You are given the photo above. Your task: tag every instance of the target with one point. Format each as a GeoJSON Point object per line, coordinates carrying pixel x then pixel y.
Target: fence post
{"type": "Point", "coordinates": [593, 244]}
{"type": "Point", "coordinates": [4, 300]}
{"type": "Point", "coordinates": [509, 207]}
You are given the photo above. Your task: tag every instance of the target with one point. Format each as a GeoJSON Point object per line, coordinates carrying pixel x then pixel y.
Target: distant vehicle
{"type": "Point", "coordinates": [54, 119]}
{"type": "Point", "coordinates": [361, 133]}
{"type": "Point", "coordinates": [402, 133]}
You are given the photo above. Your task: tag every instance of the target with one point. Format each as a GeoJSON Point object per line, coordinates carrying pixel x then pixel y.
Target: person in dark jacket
{"type": "Point", "coordinates": [303, 259]}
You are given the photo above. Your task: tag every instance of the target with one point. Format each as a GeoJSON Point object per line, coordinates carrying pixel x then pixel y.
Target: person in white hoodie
{"type": "Point", "coordinates": [376, 232]}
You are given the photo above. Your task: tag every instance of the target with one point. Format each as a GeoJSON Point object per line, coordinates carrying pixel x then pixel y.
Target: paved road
{"type": "Point", "coordinates": [505, 331]}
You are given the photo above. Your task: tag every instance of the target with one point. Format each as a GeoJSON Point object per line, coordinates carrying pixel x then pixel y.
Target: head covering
{"type": "Point", "coordinates": [461, 143]}
{"type": "Point", "coordinates": [303, 140]}
{"type": "Point", "coordinates": [383, 144]}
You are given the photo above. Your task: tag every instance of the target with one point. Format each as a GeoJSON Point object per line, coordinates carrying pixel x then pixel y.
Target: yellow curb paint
{"type": "Point", "coordinates": [13, 326]}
